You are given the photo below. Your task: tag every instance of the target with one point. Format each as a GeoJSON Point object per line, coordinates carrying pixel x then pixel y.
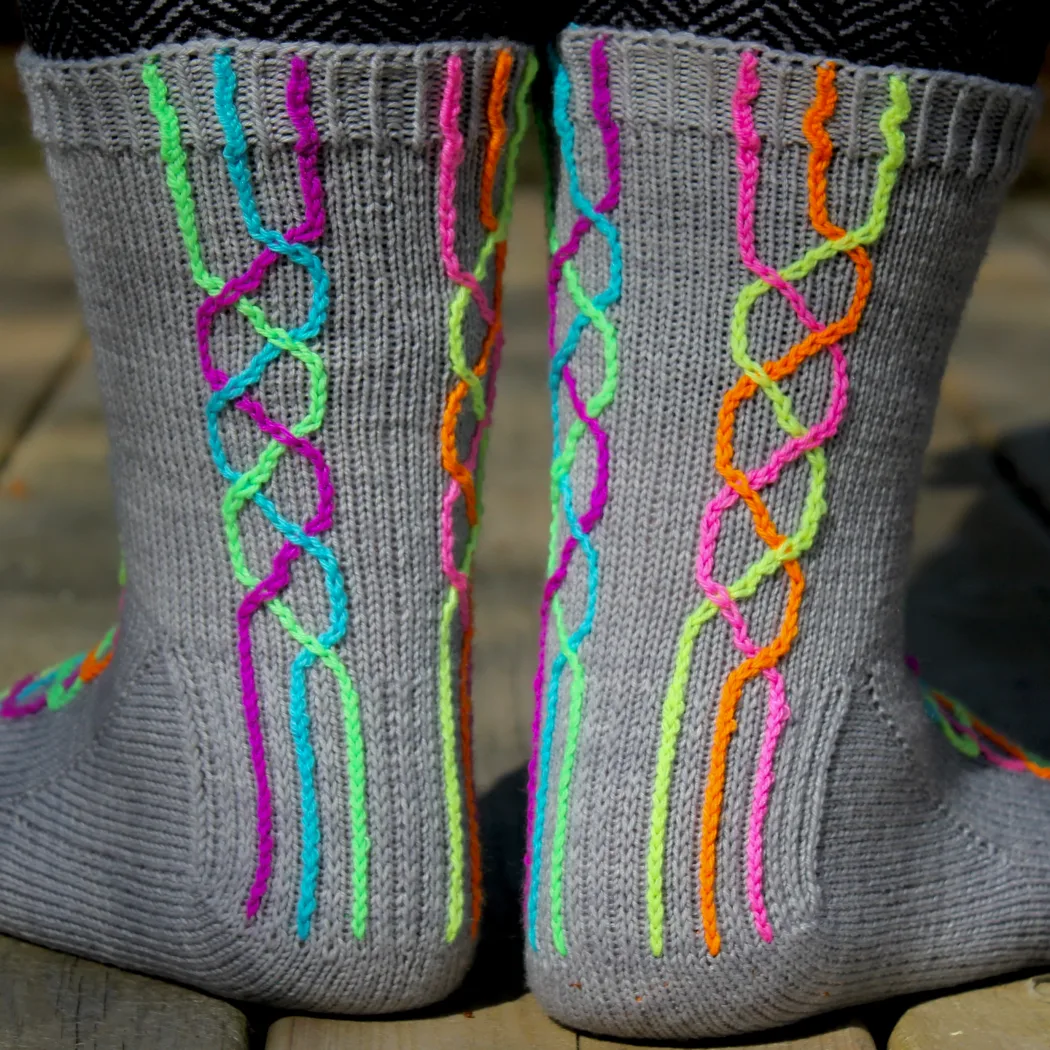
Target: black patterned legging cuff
{"type": "Point", "coordinates": [1001, 39]}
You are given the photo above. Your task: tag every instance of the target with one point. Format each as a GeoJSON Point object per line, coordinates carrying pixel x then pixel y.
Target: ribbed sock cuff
{"type": "Point", "coordinates": [385, 93]}
{"type": "Point", "coordinates": [964, 124]}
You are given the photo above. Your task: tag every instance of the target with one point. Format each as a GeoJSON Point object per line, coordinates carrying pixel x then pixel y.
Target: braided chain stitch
{"type": "Point", "coordinates": [976, 739]}
{"type": "Point", "coordinates": [591, 312]}
{"type": "Point", "coordinates": [248, 486]}
{"type": "Point", "coordinates": [783, 551]}
{"type": "Point", "coordinates": [465, 475]}
{"type": "Point", "coordinates": [59, 685]}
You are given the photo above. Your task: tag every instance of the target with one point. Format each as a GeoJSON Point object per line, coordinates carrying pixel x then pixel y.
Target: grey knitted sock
{"type": "Point", "coordinates": [267, 791]}
{"type": "Point", "coordinates": [741, 813]}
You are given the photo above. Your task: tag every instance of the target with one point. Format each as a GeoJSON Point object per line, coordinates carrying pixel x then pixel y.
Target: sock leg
{"type": "Point", "coordinates": [289, 260]}
{"type": "Point", "coordinates": [741, 813]}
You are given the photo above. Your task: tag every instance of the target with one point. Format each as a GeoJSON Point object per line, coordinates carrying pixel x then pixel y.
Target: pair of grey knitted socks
{"type": "Point", "coordinates": [740, 813]}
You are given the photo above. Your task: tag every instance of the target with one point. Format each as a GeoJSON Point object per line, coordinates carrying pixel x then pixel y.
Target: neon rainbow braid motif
{"type": "Point", "coordinates": [976, 739]}
{"type": "Point", "coordinates": [53, 689]}
{"type": "Point", "coordinates": [59, 685]}
{"type": "Point", "coordinates": [592, 312]}
{"type": "Point", "coordinates": [465, 475]}
{"type": "Point", "coordinates": [784, 551]}
{"type": "Point", "coordinates": [248, 487]}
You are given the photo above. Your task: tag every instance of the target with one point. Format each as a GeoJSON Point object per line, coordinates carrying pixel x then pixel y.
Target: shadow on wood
{"type": "Point", "coordinates": [978, 613]}
{"type": "Point", "coordinates": [1014, 1016]}
{"type": "Point", "coordinates": [51, 1001]}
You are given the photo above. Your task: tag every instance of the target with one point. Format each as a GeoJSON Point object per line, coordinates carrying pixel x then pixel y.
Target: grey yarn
{"type": "Point", "coordinates": [128, 827]}
{"type": "Point", "coordinates": [892, 862]}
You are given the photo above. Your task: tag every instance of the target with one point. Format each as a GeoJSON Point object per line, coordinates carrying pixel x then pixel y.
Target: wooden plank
{"type": "Point", "coordinates": [512, 554]}
{"type": "Point", "coordinates": [848, 1037]}
{"type": "Point", "coordinates": [999, 362]}
{"type": "Point", "coordinates": [518, 1025]}
{"type": "Point", "coordinates": [51, 1001]}
{"type": "Point", "coordinates": [38, 305]}
{"type": "Point", "coordinates": [36, 276]}
{"type": "Point", "coordinates": [57, 536]}
{"type": "Point", "coordinates": [58, 543]}
{"type": "Point", "coordinates": [1014, 1015]}
{"type": "Point", "coordinates": [34, 354]}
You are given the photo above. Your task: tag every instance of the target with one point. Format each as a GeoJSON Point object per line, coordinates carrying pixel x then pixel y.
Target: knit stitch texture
{"type": "Point", "coordinates": [740, 813]}
{"type": "Point", "coordinates": [289, 259]}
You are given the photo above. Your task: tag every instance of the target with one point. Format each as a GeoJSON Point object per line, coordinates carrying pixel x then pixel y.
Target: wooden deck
{"type": "Point", "coordinates": [979, 621]}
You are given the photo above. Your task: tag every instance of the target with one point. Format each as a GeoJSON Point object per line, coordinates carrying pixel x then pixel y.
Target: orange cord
{"type": "Point", "coordinates": [93, 665]}
{"type": "Point", "coordinates": [450, 460]}
{"type": "Point", "coordinates": [995, 737]}
{"type": "Point", "coordinates": [745, 388]}
{"type": "Point", "coordinates": [452, 464]}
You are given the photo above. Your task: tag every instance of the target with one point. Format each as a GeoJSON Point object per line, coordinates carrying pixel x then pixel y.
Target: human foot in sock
{"type": "Point", "coordinates": [261, 785]}
{"type": "Point", "coordinates": [741, 814]}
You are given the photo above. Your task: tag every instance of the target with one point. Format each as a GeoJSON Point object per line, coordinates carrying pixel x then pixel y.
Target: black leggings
{"type": "Point", "coordinates": [1001, 39]}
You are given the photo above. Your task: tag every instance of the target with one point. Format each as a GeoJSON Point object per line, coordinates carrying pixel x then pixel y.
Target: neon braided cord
{"type": "Point", "coordinates": [521, 120]}
{"type": "Point", "coordinates": [560, 484]}
{"type": "Point", "coordinates": [545, 723]}
{"type": "Point", "coordinates": [468, 289]}
{"type": "Point", "coordinates": [821, 150]}
{"type": "Point", "coordinates": [61, 679]}
{"type": "Point", "coordinates": [778, 713]}
{"type": "Point", "coordinates": [24, 698]}
{"type": "Point", "coordinates": [452, 152]}
{"type": "Point", "coordinates": [580, 299]}
{"type": "Point", "coordinates": [236, 153]}
{"type": "Point", "coordinates": [756, 660]}
{"type": "Point", "coordinates": [99, 658]}
{"type": "Point", "coordinates": [461, 481]}
{"type": "Point", "coordinates": [88, 667]}
{"type": "Point", "coordinates": [800, 443]}
{"type": "Point", "coordinates": [974, 738]}
{"type": "Point", "coordinates": [592, 312]}
{"type": "Point", "coordinates": [248, 485]}
{"type": "Point", "coordinates": [35, 692]}
{"type": "Point", "coordinates": [468, 286]}
{"type": "Point", "coordinates": [174, 159]}
{"type": "Point", "coordinates": [66, 690]}
{"type": "Point", "coordinates": [588, 418]}
{"type": "Point", "coordinates": [57, 686]}
{"type": "Point", "coordinates": [32, 694]}
{"type": "Point", "coordinates": [562, 268]}
{"type": "Point", "coordinates": [545, 136]}
{"type": "Point", "coordinates": [462, 475]}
